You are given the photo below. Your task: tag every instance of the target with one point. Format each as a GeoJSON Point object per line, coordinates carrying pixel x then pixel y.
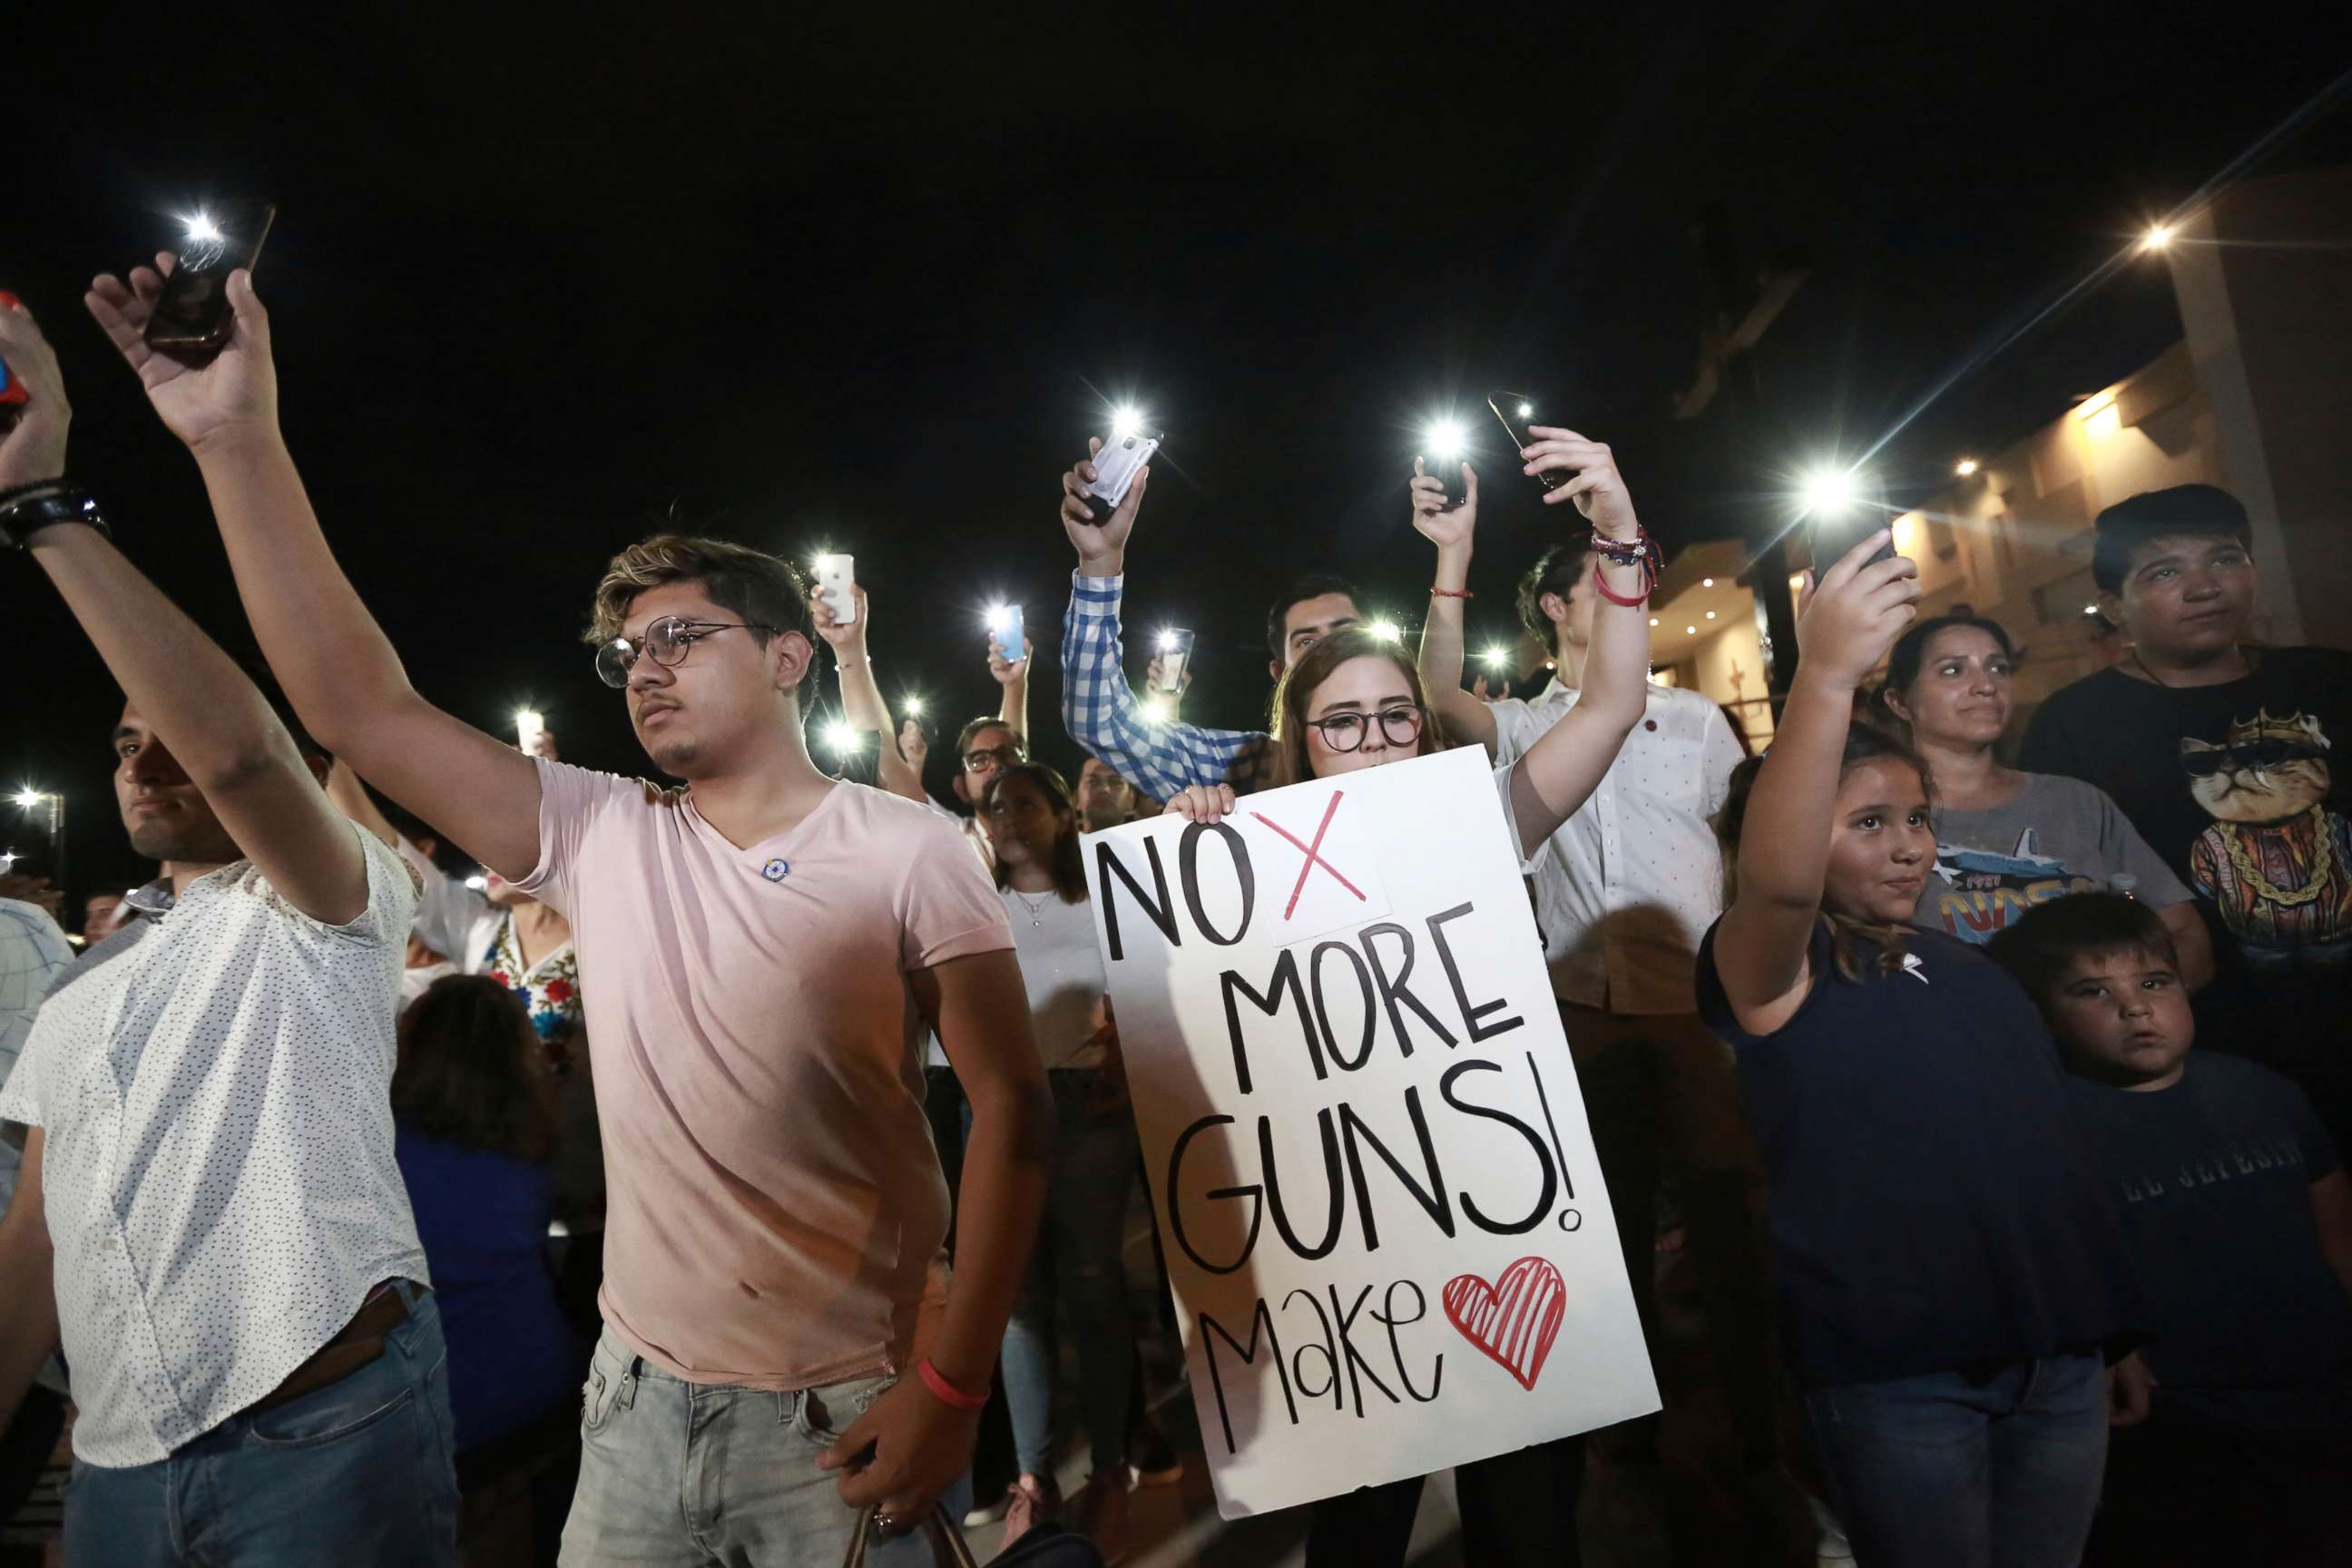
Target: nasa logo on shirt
{"type": "Point", "coordinates": [776, 871]}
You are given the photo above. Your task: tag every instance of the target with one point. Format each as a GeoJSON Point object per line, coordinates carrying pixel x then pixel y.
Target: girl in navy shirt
{"type": "Point", "coordinates": [1947, 1261]}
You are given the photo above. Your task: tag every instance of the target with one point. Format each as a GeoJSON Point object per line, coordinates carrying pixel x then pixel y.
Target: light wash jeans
{"type": "Point", "coordinates": [690, 1475]}
{"type": "Point", "coordinates": [1078, 1265]}
{"type": "Point", "coordinates": [1953, 1472]}
{"type": "Point", "coordinates": [356, 1474]}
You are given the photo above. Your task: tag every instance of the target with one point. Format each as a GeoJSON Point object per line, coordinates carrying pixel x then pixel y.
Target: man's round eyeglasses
{"type": "Point", "coordinates": [981, 758]}
{"type": "Point", "coordinates": [667, 640]}
{"type": "Point", "coordinates": [1399, 726]}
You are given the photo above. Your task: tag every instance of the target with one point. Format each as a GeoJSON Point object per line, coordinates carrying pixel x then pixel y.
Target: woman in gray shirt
{"type": "Point", "coordinates": [2007, 840]}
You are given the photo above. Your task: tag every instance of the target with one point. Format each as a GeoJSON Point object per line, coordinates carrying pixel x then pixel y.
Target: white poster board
{"type": "Point", "coordinates": [1390, 1243]}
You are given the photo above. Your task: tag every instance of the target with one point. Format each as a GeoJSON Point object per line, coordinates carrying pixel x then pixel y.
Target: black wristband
{"type": "Point", "coordinates": [21, 518]}
{"type": "Point", "coordinates": [15, 493]}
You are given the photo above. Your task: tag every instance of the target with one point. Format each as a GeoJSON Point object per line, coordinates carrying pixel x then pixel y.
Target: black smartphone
{"type": "Point", "coordinates": [192, 315]}
{"type": "Point", "coordinates": [1835, 532]}
{"type": "Point", "coordinates": [1516, 410]}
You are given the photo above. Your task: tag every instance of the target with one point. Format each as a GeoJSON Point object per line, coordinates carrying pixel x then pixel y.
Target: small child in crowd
{"type": "Point", "coordinates": [2234, 1433]}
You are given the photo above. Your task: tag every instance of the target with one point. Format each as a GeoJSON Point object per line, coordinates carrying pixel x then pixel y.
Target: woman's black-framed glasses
{"type": "Point", "coordinates": [667, 640]}
{"type": "Point", "coordinates": [1399, 726]}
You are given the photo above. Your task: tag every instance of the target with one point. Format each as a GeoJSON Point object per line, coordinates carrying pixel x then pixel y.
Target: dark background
{"type": "Point", "coordinates": [866, 279]}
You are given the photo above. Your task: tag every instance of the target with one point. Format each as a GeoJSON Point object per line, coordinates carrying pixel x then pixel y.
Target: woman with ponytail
{"type": "Point", "coordinates": [1949, 1269]}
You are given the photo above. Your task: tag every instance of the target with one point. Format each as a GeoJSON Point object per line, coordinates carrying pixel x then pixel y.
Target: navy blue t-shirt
{"type": "Point", "coordinates": [2214, 1174]}
{"type": "Point", "coordinates": [482, 1217]}
{"type": "Point", "coordinates": [1933, 1204]}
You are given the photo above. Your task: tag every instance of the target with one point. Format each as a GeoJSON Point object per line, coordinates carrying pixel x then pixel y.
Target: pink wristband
{"type": "Point", "coordinates": [946, 1392]}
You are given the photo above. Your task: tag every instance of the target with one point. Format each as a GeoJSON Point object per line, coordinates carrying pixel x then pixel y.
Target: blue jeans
{"type": "Point", "coordinates": [1949, 1470]}
{"type": "Point", "coordinates": [1077, 1264]}
{"type": "Point", "coordinates": [692, 1475]}
{"type": "Point", "coordinates": [354, 1474]}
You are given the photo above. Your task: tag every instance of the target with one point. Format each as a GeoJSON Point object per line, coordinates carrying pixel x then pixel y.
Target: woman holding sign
{"type": "Point", "coordinates": [1355, 701]}
{"type": "Point", "coordinates": [1948, 1265]}
{"type": "Point", "coordinates": [1033, 827]}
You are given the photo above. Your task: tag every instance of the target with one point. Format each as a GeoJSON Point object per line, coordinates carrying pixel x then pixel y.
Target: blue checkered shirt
{"type": "Point", "coordinates": [1103, 714]}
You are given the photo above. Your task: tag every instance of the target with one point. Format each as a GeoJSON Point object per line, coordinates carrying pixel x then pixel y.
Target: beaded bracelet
{"type": "Point", "coordinates": [1641, 550]}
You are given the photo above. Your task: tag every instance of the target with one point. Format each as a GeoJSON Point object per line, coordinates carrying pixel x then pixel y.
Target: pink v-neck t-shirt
{"type": "Point", "coordinates": [776, 1207]}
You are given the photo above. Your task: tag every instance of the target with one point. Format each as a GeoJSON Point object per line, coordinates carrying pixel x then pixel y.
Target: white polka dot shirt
{"type": "Point", "coordinates": [217, 1162]}
{"type": "Point", "coordinates": [1626, 887]}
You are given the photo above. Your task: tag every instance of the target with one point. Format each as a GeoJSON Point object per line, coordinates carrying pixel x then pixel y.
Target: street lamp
{"type": "Point", "coordinates": [29, 799]}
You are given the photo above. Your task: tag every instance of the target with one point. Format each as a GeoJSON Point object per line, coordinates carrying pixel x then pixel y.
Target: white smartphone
{"type": "Point", "coordinates": [1004, 625]}
{"type": "Point", "coordinates": [1175, 652]}
{"type": "Point", "coordinates": [1116, 464]}
{"type": "Point", "coordinates": [835, 574]}
{"type": "Point", "coordinates": [529, 727]}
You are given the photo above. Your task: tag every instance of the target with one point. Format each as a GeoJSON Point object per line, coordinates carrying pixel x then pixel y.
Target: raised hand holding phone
{"type": "Point", "coordinates": [192, 315]}
{"type": "Point", "coordinates": [1007, 644]}
{"type": "Point", "coordinates": [32, 448]}
{"type": "Point", "coordinates": [1850, 614]}
{"type": "Point", "coordinates": [1099, 532]}
{"type": "Point", "coordinates": [1443, 525]}
{"type": "Point", "coordinates": [234, 391]}
{"type": "Point", "coordinates": [844, 633]}
{"type": "Point", "coordinates": [836, 577]}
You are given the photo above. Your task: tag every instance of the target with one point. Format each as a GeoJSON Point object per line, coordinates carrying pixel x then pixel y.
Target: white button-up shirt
{"type": "Point", "coordinates": [33, 952]}
{"type": "Point", "coordinates": [217, 1161]}
{"type": "Point", "coordinates": [1626, 887]}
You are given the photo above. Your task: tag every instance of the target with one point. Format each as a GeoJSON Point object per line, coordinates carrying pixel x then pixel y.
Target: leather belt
{"type": "Point", "coordinates": [360, 1342]}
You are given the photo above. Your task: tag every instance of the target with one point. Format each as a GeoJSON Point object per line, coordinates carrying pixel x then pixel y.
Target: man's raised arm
{"type": "Point", "coordinates": [1160, 757]}
{"type": "Point", "coordinates": [338, 670]}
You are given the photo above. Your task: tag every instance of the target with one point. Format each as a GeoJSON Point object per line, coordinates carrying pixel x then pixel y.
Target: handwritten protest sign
{"type": "Point", "coordinates": [1388, 1235]}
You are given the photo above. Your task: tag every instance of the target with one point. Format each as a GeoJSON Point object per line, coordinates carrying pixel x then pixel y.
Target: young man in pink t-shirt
{"type": "Point", "coordinates": [762, 953]}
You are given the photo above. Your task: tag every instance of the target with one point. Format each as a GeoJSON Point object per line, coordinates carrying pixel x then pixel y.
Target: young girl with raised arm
{"type": "Point", "coordinates": [1950, 1271]}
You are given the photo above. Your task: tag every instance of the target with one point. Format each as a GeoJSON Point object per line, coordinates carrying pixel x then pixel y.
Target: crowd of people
{"type": "Point", "coordinates": [721, 1180]}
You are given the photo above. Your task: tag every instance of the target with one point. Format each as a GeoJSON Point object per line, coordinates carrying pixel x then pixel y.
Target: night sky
{"type": "Point", "coordinates": [868, 282]}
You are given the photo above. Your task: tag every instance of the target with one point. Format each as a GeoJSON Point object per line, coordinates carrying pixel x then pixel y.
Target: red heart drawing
{"type": "Point", "coordinates": [1515, 1319]}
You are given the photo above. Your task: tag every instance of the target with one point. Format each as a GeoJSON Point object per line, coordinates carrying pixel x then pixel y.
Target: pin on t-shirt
{"type": "Point", "coordinates": [776, 871]}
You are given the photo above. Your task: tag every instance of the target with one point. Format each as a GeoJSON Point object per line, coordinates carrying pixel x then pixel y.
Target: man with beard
{"type": "Point", "coordinates": [761, 951]}
{"type": "Point", "coordinates": [209, 1214]}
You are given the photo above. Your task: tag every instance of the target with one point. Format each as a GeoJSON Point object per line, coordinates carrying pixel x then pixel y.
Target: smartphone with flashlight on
{"type": "Point", "coordinates": [1516, 409]}
{"type": "Point", "coordinates": [191, 317]}
{"type": "Point", "coordinates": [1175, 651]}
{"type": "Point", "coordinates": [1444, 447]}
{"type": "Point", "coordinates": [1004, 627]}
{"type": "Point", "coordinates": [1837, 531]}
{"type": "Point", "coordinates": [1116, 467]}
{"type": "Point", "coordinates": [836, 575]}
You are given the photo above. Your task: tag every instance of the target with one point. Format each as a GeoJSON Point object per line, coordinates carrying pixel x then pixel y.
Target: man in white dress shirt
{"type": "Point", "coordinates": [209, 1215]}
{"type": "Point", "coordinates": [1623, 891]}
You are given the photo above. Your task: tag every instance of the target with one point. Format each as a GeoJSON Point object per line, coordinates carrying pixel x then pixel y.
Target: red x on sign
{"type": "Point", "coordinates": [1313, 853]}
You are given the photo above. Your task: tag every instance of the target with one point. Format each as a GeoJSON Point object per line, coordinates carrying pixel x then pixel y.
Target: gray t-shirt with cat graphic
{"type": "Point", "coordinates": [2058, 836]}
